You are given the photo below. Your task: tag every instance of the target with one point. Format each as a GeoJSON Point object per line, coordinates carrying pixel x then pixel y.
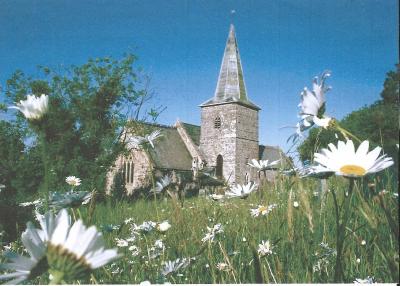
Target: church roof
{"type": "Point", "coordinates": [230, 86]}
{"type": "Point", "coordinates": [273, 153]}
{"type": "Point", "coordinates": [193, 131]}
{"type": "Point", "coordinates": [169, 150]}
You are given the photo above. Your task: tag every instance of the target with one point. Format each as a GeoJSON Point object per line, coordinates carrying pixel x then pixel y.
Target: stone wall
{"type": "Point", "coordinates": [141, 171]}
{"type": "Point", "coordinates": [246, 143]}
{"type": "Point", "coordinates": [236, 139]}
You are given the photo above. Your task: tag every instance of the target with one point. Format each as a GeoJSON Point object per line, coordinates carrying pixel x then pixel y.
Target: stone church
{"type": "Point", "coordinates": [224, 143]}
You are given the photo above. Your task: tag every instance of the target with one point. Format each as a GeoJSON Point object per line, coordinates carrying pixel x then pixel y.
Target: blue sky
{"type": "Point", "coordinates": [283, 45]}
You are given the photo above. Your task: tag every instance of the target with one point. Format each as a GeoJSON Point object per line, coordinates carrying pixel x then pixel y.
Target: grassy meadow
{"type": "Point", "coordinates": [302, 230]}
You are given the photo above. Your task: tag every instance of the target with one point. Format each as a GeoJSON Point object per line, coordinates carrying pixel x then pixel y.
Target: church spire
{"type": "Point", "coordinates": [230, 85]}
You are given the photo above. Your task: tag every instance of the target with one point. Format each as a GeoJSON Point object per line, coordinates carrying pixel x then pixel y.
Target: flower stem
{"type": "Point", "coordinates": [46, 169]}
{"type": "Point", "coordinates": [340, 230]}
{"type": "Point", "coordinates": [270, 271]}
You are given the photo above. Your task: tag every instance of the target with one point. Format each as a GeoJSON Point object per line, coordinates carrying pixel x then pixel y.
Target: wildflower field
{"type": "Point", "coordinates": [301, 239]}
{"type": "Point", "coordinates": [300, 229]}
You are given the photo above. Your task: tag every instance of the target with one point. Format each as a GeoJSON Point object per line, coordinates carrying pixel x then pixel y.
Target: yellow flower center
{"type": "Point", "coordinates": [262, 209]}
{"type": "Point", "coordinates": [353, 170]}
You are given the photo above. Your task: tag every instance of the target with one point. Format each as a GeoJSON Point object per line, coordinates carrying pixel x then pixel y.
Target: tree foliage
{"type": "Point", "coordinates": [88, 107]}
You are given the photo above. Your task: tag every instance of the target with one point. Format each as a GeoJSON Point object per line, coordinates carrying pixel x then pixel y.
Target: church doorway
{"type": "Point", "coordinates": [219, 169]}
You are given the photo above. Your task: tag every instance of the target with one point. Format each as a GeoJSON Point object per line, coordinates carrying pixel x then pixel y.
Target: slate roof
{"type": "Point", "coordinates": [230, 86]}
{"type": "Point", "coordinates": [169, 150]}
{"type": "Point", "coordinates": [193, 131]}
{"type": "Point", "coordinates": [272, 153]}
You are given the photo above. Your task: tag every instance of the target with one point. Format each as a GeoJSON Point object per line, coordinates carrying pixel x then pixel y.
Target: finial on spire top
{"type": "Point", "coordinates": [233, 12]}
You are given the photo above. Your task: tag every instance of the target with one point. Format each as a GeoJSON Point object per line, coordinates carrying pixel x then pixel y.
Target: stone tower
{"type": "Point", "coordinates": [229, 121]}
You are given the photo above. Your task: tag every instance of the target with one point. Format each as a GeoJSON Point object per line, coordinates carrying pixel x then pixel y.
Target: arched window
{"type": "Point", "coordinates": [128, 170]}
{"type": "Point", "coordinates": [217, 122]}
{"type": "Point", "coordinates": [219, 168]}
{"type": "Point", "coordinates": [132, 172]}
{"type": "Point", "coordinates": [128, 173]}
{"type": "Point", "coordinates": [124, 171]}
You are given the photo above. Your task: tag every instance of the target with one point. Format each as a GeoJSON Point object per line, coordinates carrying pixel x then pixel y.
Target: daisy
{"type": "Point", "coordinates": [221, 266]}
{"type": "Point", "coordinates": [262, 210]}
{"type": "Point", "coordinates": [162, 184]}
{"type": "Point", "coordinates": [315, 171]}
{"type": "Point", "coordinates": [241, 191]}
{"type": "Point", "coordinates": [137, 141]}
{"type": "Point", "coordinates": [121, 242]}
{"type": "Point", "coordinates": [27, 268]}
{"type": "Point", "coordinates": [345, 161]}
{"type": "Point", "coordinates": [33, 203]}
{"type": "Point", "coordinates": [73, 181]}
{"type": "Point", "coordinates": [265, 248]}
{"type": "Point", "coordinates": [313, 103]}
{"type": "Point", "coordinates": [368, 280]}
{"type": "Point", "coordinates": [69, 199]}
{"type": "Point", "coordinates": [109, 227]}
{"type": "Point", "coordinates": [216, 197]}
{"type": "Point", "coordinates": [313, 107]}
{"type": "Point", "coordinates": [159, 244]}
{"type": "Point", "coordinates": [146, 226]}
{"type": "Point", "coordinates": [212, 232]}
{"type": "Point", "coordinates": [263, 165]}
{"type": "Point", "coordinates": [33, 107]}
{"type": "Point", "coordinates": [174, 266]}
{"type": "Point", "coordinates": [135, 251]}
{"type": "Point", "coordinates": [296, 204]}
{"type": "Point", "coordinates": [164, 226]}
{"type": "Point", "coordinates": [73, 251]}
{"type": "Point", "coordinates": [153, 136]}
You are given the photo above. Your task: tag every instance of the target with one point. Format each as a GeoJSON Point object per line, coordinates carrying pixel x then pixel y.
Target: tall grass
{"type": "Point", "coordinates": [296, 233]}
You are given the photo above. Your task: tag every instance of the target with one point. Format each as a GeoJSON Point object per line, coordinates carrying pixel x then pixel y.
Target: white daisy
{"type": "Point", "coordinates": [212, 232]}
{"type": "Point", "coordinates": [33, 203]}
{"type": "Point", "coordinates": [241, 191]}
{"type": "Point", "coordinates": [216, 197]}
{"type": "Point", "coordinates": [137, 141]}
{"type": "Point", "coordinates": [345, 161]}
{"type": "Point", "coordinates": [121, 242]}
{"type": "Point", "coordinates": [296, 204]}
{"type": "Point", "coordinates": [135, 251]}
{"type": "Point", "coordinates": [73, 181]}
{"type": "Point", "coordinates": [69, 199]}
{"type": "Point", "coordinates": [313, 107]}
{"type": "Point", "coordinates": [146, 226]}
{"type": "Point", "coordinates": [313, 102]}
{"type": "Point", "coordinates": [174, 266]}
{"type": "Point", "coordinates": [74, 250]}
{"type": "Point", "coordinates": [153, 136]}
{"type": "Point", "coordinates": [368, 280]}
{"type": "Point", "coordinates": [262, 210]}
{"type": "Point", "coordinates": [159, 244]}
{"type": "Point", "coordinates": [221, 266]}
{"type": "Point", "coordinates": [263, 165]}
{"type": "Point", "coordinates": [162, 184]}
{"type": "Point", "coordinates": [314, 171]}
{"type": "Point", "coordinates": [33, 107]}
{"type": "Point", "coordinates": [24, 267]}
{"type": "Point", "coordinates": [265, 248]}
{"type": "Point", "coordinates": [164, 226]}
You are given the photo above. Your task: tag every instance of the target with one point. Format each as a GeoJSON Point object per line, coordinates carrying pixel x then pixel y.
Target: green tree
{"type": "Point", "coordinates": [88, 107]}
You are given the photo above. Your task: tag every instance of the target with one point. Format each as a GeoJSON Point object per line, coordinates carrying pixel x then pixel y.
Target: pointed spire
{"type": "Point", "coordinates": [230, 85]}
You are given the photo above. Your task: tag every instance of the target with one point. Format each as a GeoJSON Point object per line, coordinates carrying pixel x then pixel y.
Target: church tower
{"type": "Point", "coordinates": [229, 120]}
